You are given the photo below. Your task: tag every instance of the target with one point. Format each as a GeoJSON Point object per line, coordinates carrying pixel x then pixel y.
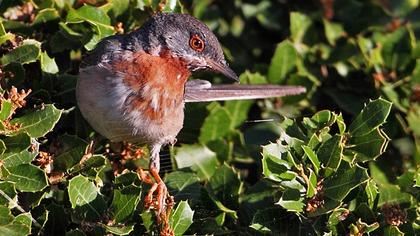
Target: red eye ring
{"type": "Point", "coordinates": [196, 43]}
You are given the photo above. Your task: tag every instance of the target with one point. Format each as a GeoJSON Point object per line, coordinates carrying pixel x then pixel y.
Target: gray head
{"type": "Point", "coordinates": [187, 38]}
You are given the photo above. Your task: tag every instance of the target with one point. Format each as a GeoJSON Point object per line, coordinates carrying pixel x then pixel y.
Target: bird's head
{"type": "Point", "coordinates": [187, 38]}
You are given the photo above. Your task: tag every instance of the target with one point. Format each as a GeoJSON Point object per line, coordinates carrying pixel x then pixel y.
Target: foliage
{"type": "Point", "coordinates": [345, 161]}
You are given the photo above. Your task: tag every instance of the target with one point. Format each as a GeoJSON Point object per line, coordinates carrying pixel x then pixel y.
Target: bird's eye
{"type": "Point", "coordinates": [196, 43]}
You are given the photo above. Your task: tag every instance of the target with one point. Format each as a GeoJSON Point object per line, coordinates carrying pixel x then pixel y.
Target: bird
{"type": "Point", "coordinates": [133, 87]}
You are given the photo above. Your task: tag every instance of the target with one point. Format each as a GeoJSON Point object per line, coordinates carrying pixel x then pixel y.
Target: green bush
{"type": "Point", "coordinates": [342, 159]}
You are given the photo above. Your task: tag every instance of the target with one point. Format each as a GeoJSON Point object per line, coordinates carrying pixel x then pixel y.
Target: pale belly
{"type": "Point", "coordinates": [101, 100]}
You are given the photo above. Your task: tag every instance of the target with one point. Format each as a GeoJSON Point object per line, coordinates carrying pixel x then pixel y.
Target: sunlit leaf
{"type": "Point", "coordinates": [39, 122]}
{"type": "Point", "coordinates": [199, 158]}
{"type": "Point", "coordinates": [339, 185]}
{"type": "Point", "coordinates": [181, 219]}
{"type": "Point", "coordinates": [27, 178]}
{"type": "Point", "coordinates": [282, 63]}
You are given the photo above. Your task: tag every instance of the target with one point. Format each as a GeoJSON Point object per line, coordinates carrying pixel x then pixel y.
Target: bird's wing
{"type": "Point", "coordinates": [204, 91]}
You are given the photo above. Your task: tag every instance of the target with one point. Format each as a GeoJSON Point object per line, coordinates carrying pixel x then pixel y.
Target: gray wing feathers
{"type": "Point", "coordinates": [204, 91]}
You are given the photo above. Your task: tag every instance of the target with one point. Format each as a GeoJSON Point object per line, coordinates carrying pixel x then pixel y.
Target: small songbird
{"type": "Point", "coordinates": [133, 87]}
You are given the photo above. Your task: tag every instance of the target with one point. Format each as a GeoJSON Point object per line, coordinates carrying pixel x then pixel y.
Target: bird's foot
{"type": "Point", "coordinates": [160, 201]}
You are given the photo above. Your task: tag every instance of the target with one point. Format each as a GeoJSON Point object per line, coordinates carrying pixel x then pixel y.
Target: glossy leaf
{"type": "Point", "coordinates": [282, 63]}
{"type": "Point", "coordinates": [119, 230]}
{"type": "Point", "coordinates": [373, 115]}
{"type": "Point", "coordinates": [27, 178]}
{"type": "Point", "coordinates": [125, 202]}
{"type": "Point", "coordinates": [48, 64]}
{"type": "Point", "coordinates": [339, 185]}
{"type": "Point", "coordinates": [369, 146]}
{"type": "Point", "coordinates": [39, 122]}
{"type": "Point", "coordinates": [181, 219]}
{"type": "Point", "coordinates": [225, 184]}
{"type": "Point", "coordinates": [84, 195]}
{"type": "Point", "coordinates": [291, 200]}
{"type": "Point", "coordinates": [24, 54]}
{"type": "Point", "coordinates": [216, 125]}
{"type": "Point", "coordinates": [330, 154]}
{"type": "Point", "coordinates": [199, 158]}
{"type": "Point", "coordinates": [299, 24]}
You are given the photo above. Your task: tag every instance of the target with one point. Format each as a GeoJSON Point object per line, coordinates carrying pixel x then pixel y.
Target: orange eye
{"type": "Point", "coordinates": [197, 43]}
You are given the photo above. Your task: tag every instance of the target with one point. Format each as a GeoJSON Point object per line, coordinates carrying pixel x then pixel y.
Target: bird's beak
{"type": "Point", "coordinates": [223, 68]}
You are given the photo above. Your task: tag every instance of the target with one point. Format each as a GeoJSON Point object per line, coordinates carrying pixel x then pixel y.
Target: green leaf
{"type": "Point", "coordinates": [27, 178]}
{"type": "Point", "coordinates": [299, 24]}
{"type": "Point", "coordinates": [330, 154]}
{"type": "Point", "coordinates": [48, 64]}
{"type": "Point", "coordinates": [291, 200]}
{"type": "Point", "coordinates": [95, 161]}
{"type": "Point", "coordinates": [199, 158]}
{"type": "Point", "coordinates": [216, 125]}
{"type": "Point", "coordinates": [6, 216]}
{"type": "Point", "coordinates": [371, 192]}
{"type": "Point", "coordinates": [341, 124]}
{"type": "Point", "coordinates": [225, 185]}
{"type": "Point", "coordinates": [282, 63]}
{"type": "Point", "coordinates": [119, 230]}
{"type": "Point", "coordinates": [2, 148]}
{"type": "Point", "coordinates": [4, 36]}
{"type": "Point", "coordinates": [369, 146]}
{"type": "Point", "coordinates": [15, 229]}
{"type": "Point", "coordinates": [39, 122]}
{"type": "Point", "coordinates": [333, 31]}
{"type": "Point", "coordinates": [372, 116]}
{"type": "Point", "coordinates": [312, 157]}
{"type": "Point", "coordinates": [391, 230]}
{"type": "Point", "coordinates": [181, 219]}
{"type": "Point", "coordinates": [24, 219]}
{"type": "Point", "coordinates": [232, 213]}
{"type": "Point", "coordinates": [147, 218]}
{"type": "Point", "coordinates": [238, 111]}
{"type": "Point", "coordinates": [396, 49]}
{"type": "Point", "coordinates": [173, 6]}
{"type": "Point", "coordinates": [184, 186]}
{"type": "Point", "coordinates": [336, 217]}
{"type": "Point", "coordinates": [119, 7]}
{"type": "Point", "coordinates": [11, 159]}
{"type": "Point", "coordinates": [402, 8]}
{"type": "Point", "coordinates": [70, 153]}
{"type": "Point", "coordinates": [275, 164]}
{"type": "Point", "coordinates": [320, 120]}
{"type": "Point", "coordinates": [81, 191]}
{"type": "Point", "coordinates": [17, 143]}
{"type": "Point", "coordinates": [125, 203]}
{"type": "Point", "coordinates": [339, 185]}
{"type": "Point", "coordinates": [94, 16]}
{"type": "Point", "coordinates": [6, 109]}
{"type": "Point", "coordinates": [9, 190]}
{"type": "Point", "coordinates": [84, 195]}
{"type": "Point", "coordinates": [17, 150]}
{"type": "Point", "coordinates": [45, 15]}
{"type": "Point", "coordinates": [311, 188]}
{"type": "Point", "coordinates": [24, 54]}
{"type": "Point", "coordinates": [388, 193]}
{"type": "Point", "coordinates": [270, 221]}
{"type": "Point", "coordinates": [413, 119]}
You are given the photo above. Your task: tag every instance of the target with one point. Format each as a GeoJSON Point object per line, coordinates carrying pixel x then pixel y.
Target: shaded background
{"type": "Point", "coordinates": [344, 52]}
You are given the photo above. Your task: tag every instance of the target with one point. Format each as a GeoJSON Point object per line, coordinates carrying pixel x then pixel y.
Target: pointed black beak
{"type": "Point", "coordinates": [222, 68]}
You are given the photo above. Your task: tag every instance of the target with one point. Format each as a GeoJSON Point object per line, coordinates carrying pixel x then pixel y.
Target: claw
{"type": "Point", "coordinates": [158, 197]}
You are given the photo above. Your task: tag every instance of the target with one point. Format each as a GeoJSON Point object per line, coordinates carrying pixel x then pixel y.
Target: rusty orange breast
{"type": "Point", "coordinates": [158, 82]}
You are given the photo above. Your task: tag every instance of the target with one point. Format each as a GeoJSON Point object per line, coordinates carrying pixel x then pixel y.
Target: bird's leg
{"type": "Point", "coordinates": [163, 202]}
